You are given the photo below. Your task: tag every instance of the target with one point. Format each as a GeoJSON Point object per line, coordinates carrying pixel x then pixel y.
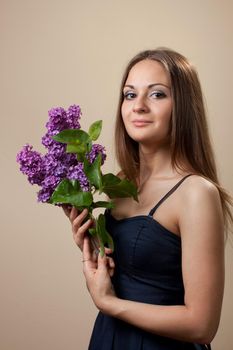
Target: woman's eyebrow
{"type": "Point", "coordinates": [149, 86]}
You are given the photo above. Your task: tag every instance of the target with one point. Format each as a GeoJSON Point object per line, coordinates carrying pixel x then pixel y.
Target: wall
{"type": "Point", "coordinates": [56, 53]}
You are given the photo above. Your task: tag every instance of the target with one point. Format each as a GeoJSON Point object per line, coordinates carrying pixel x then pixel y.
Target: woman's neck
{"type": "Point", "coordinates": [156, 164]}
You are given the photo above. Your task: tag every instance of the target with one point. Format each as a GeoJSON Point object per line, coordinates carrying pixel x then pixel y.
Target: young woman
{"type": "Point", "coordinates": [162, 288]}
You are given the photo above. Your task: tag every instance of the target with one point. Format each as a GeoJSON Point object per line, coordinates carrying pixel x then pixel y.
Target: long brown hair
{"type": "Point", "coordinates": [189, 134]}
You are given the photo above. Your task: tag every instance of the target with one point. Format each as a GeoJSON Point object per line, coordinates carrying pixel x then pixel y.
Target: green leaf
{"type": "Point", "coordinates": [89, 147]}
{"type": "Point", "coordinates": [75, 184]}
{"type": "Point", "coordinates": [74, 148]}
{"type": "Point", "coordinates": [67, 187]}
{"type": "Point", "coordinates": [93, 172]}
{"type": "Point", "coordinates": [72, 136]}
{"type": "Point", "coordinates": [95, 130]}
{"type": "Point", "coordinates": [92, 231]}
{"type": "Point", "coordinates": [68, 193]}
{"type": "Point", "coordinates": [103, 204]}
{"type": "Point", "coordinates": [122, 189]}
{"type": "Point", "coordinates": [82, 199]}
{"type": "Point", "coordinates": [103, 235]}
{"type": "Point", "coordinates": [110, 179]}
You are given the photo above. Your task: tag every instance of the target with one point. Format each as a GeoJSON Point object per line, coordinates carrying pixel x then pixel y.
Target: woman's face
{"type": "Point", "coordinates": [147, 105]}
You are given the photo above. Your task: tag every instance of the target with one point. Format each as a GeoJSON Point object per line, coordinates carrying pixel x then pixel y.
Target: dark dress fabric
{"type": "Point", "coordinates": [148, 270]}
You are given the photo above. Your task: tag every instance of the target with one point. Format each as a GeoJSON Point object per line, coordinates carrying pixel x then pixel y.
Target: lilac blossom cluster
{"type": "Point", "coordinates": [76, 172]}
{"type": "Point", "coordinates": [48, 170]}
{"type": "Point", "coordinates": [95, 150]}
{"type": "Point", "coordinates": [31, 164]}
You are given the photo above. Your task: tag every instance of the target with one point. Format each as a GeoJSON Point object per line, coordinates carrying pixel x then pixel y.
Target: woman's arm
{"type": "Point", "coordinates": [201, 227]}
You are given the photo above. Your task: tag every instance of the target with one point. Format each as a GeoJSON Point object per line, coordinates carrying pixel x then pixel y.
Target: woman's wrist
{"type": "Point", "coordinates": [109, 305]}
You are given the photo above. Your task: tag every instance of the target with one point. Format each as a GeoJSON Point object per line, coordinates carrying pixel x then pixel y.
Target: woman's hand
{"type": "Point", "coordinates": [97, 274]}
{"type": "Point", "coordinates": [97, 270]}
{"type": "Point", "coordinates": [76, 220]}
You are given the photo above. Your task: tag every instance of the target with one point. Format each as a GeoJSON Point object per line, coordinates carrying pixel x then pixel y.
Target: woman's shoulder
{"type": "Point", "coordinates": [196, 186]}
{"type": "Point", "coordinates": [199, 194]}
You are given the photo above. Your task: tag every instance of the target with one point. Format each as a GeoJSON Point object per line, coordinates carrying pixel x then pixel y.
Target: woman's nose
{"type": "Point", "coordinates": [140, 105]}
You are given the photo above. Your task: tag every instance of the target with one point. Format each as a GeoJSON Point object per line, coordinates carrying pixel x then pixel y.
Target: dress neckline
{"type": "Point", "coordinates": [148, 218]}
{"type": "Point", "coordinates": [152, 211]}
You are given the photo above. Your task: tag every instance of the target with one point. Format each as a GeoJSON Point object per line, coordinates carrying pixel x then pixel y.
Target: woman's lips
{"type": "Point", "coordinates": [141, 122]}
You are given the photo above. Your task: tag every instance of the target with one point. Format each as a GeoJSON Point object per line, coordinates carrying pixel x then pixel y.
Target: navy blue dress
{"type": "Point", "coordinates": [148, 270]}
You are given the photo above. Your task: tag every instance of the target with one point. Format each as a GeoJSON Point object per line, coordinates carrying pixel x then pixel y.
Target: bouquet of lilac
{"type": "Point", "coordinates": [70, 172]}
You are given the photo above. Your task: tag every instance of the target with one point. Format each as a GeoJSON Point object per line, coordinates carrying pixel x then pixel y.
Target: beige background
{"type": "Point", "coordinates": [57, 53]}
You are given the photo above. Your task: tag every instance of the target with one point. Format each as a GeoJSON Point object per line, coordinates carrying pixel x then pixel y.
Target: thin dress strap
{"type": "Point", "coordinates": [151, 213]}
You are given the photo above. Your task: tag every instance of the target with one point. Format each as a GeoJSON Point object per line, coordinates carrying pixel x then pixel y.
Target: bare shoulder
{"type": "Point", "coordinates": [200, 204]}
{"type": "Point", "coordinates": [202, 238]}
{"type": "Point", "coordinates": [197, 188]}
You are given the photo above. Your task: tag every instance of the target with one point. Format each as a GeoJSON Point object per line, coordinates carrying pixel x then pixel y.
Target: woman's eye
{"type": "Point", "coordinates": [129, 95]}
{"type": "Point", "coordinates": [158, 94]}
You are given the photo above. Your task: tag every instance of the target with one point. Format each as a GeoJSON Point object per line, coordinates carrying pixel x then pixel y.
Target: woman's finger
{"type": "Point", "coordinates": [111, 272]}
{"type": "Point", "coordinates": [95, 245]}
{"type": "Point", "coordinates": [84, 227]}
{"type": "Point", "coordinates": [111, 263]}
{"type": "Point", "coordinates": [87, 254]}
{"type": "Point", "coordinates": [111, 266]}
{"type": "Point", "coordinates": [108, 250]}
{"type": "Point", "coordinates": [67, 209]}
{"type": "Point", "coordinates": [80, 233]}
{"type": "Point", "coordinates": [89, 264]}
{"type": "Point", "coordinates": [102, 262]}
{"type": "Point", "coordinates": [77, 219]}
{"type": "Point", "coordinates": [73, 214]}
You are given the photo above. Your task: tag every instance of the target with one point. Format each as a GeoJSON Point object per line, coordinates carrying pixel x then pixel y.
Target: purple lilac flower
{"type": "Point", "coordinates": [56, 169]}
{"type": "Point", "coordinates": [57, 149]}
{"type": "Point", "coordinates": [48, 170]}
{"type": "Point", "coordinates": [48, 186]}
{"type": "Point", "coordinates": [57, 120]}
{"type": "Point", "coordinates": [47, 140]}
{"type": "Point", "coordinates": [73, 116]}
{"type": "Point", "coordinates": [43, 196]}
{"type": "Point", "coordinates": [31, 164]}
{"type": "Point", "coordinates": [76, 173]}
{"type": "Point", "coordinates": [57, 162]}
{"type": "Point", "coordinates": [50, 181]}
{"type": "Point", "coordinates": [54, 166]}
{"type": "Point", "coordinates": [69, 159]}
{"type": "Point", "coordinates": [95, 150]}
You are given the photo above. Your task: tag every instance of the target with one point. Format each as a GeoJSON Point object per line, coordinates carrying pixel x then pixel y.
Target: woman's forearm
{"type": "Point", "coordinates": [178, 321]}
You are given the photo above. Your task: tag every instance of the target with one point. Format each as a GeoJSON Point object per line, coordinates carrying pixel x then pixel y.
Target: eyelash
{"type": "Point", "coordinates": [159, 94]}
{"type": "Point", "coordinates": [128, 94]}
